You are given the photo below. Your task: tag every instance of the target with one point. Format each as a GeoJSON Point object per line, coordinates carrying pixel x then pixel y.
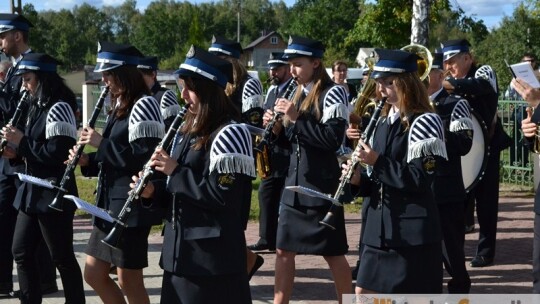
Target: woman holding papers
{"type": "Point", "coordinates": [50, 132]}
{"type": "Point", "coordinates": [134, 128]}
{"type": "Point", "coordinates": [209, 174]}
{"type": "Point", "coordinates": [314, 122]}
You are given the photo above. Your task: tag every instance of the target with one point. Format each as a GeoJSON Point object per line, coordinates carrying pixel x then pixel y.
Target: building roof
{"type": "Point", "coordinates": [259, 40]}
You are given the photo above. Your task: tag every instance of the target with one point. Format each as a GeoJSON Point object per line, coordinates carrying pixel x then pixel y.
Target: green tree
{"type": "Point", "coordinates": [325, 20]}
{"type": "Point", "coordinates": [122, 19]}
{"type": "Point", "coordinates": [509, 42]}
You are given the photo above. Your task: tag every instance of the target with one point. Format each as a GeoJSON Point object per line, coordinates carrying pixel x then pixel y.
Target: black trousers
{"type": "Point", "coordinates": [56, 228]}
{"type": "Point", "coordinates": [486, 194]}
{"type": "Point", "coordinates": [453, 229]}
{"type": "Point", "coordinates": [270, 191]}
{"type": "Point", "coordinates": [8, 218]}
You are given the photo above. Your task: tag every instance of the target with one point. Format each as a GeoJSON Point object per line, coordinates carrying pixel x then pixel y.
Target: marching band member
{"type": "Point", "coordinates": [402, 226]}
{"type": "Point", "coordinates": [15, 39]}
{"type": "Point", "coordinates": [245, 92]}
{"type": "Point", "coordinates": [448, 187]}
{"type": "Point", "coordinates": [529, 126]}
{"type": "Point", "coordinates": [134, 128]}
{"type": "Point", "coordinates": [479, 86]}
{"type": "Point", "coordinates": [50, 132]}
{"type": "Point", "coordinates": [315, 121]}
{"type": "Point", "coordinates": [271, 188]}
{"type": "Point", "coordinates": [209, 175]}
{"type": "Point", "coordinates": [168, 103]}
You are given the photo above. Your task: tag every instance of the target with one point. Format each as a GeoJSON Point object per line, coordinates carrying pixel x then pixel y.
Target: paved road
{"type": "Point", "coordinates": [313, 283]}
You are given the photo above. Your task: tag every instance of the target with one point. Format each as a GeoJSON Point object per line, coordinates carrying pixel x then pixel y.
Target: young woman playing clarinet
{"type": "Point", "coordinates": [401, 241]}
{"type": "Point", "coordinates": [314, 123]}
{"type": "Point", "coordinates": [133, 130]}
{"type": "Point", "coordinates": [209, 175]}
{"type": "Point", "coordinates": [50, 132]}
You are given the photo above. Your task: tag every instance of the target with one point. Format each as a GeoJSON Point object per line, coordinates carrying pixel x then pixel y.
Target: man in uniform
{"type": "Point", "coordinates": [272, 186]}
{"type": "Point", "coordinates": [478, 85]}
{"type": "Point", "coordinates": [448, 187]}
{"type": "Point", "coordinates": [14, 37]}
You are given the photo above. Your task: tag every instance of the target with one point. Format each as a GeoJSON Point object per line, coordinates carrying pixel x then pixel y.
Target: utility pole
{"type": "Point", "coordinates": [16, 8]}
{"type": "Point", "coordinates": [420, 22]}
{"type": "Point", "coordinates": [237, 20]}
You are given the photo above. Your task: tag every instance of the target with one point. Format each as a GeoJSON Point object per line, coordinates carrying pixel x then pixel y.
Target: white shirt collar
{"type": "Point", "coordinates": [432, 97]}
{"type": "Point", "coordinates": [393, 116]}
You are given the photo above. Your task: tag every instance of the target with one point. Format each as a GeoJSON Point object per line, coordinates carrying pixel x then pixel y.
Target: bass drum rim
{"type": "Point", "coordinates": [478, 124]}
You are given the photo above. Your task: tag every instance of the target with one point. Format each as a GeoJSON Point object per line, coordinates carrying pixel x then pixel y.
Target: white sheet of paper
{"type": "Point", "coordinates": [89, 208]}
{"type": "Point", "coordinates": [312, 193]}
{"type": "Point", "coordinates": [523, 70]}
{"type": "Point", "coordinates": [35, 180]}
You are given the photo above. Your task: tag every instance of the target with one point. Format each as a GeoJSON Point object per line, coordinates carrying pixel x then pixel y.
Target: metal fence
{"type": "Point", "coordinates": [516, 161]}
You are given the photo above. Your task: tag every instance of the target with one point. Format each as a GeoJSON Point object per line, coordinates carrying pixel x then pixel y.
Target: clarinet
{"type": "Point", "coordinates": [345, 178]}
{"type": "Point", "coordinates": [265, 141]}
{"type": "Point", "coordinates": [58, 201]}
{"type": "Point", "coordinates": [15, 118]}
{"type": "Point", "coordinates": [120, 224]}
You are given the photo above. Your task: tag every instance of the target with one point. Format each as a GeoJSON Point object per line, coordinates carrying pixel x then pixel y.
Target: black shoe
{"type": "Point", "coordinates": [260, 247]}
{"type": "Point", "coordinates": [469, 229]}
{"type": "Point", "coordinates": [258, 263]}
{"type": "Point", "coordinates": [48, 289]}
{"type": "Point", "coordinates": [481, 261]}
{"type": "Point", "coordinates": [16, 294]}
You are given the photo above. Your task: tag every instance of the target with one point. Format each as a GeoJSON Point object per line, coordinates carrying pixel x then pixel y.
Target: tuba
{"type": "Point", "coordinates": [424, 62]}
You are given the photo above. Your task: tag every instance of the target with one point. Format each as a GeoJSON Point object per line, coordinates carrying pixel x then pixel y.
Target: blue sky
{"type": "Point", "coordinates": [491, 11]}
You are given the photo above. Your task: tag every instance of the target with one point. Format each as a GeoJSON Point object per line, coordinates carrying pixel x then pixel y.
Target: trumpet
{"type": "Point", "coordinates": [58, 201]}
{"type": "Point", "coordinates": [120, 224]}
{"type": "Point", "coordinates": [329, 220]}
{"type": "Point", "coordinates": [16, 117]}
{"type": "Point", "coordinates": [263, 144]}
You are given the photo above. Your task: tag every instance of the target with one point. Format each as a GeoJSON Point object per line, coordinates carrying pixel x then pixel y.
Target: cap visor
{"type": "Point", "coordinates": [378, 74]}
{"type": "Point", "coordinates": [102, 67]}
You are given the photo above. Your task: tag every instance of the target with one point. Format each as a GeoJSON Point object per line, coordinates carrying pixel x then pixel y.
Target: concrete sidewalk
{"type": "Point", "coordinates": [313, 283]}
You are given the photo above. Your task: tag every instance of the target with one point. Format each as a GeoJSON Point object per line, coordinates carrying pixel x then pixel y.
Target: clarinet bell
{"type": "Point", "coordinates": [113, 238]}
{"type": "Point", "coordinates": [329, 221]}
{"type": "Point", "coordinates": [57, 204]}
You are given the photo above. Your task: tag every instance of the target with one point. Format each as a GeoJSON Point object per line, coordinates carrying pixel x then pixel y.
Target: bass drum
{"type": "Point", "coordinates": [473, 164]}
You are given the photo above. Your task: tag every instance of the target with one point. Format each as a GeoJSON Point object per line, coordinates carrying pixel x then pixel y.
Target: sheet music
{"type": "Point", "coordinates": [312, 193]}
{"type": "Point", "coordinates": [36, 181]}
{"type": "Point", "coordinates": [89, 208]}
{"type": "Point", "coordinates": [523, 70]}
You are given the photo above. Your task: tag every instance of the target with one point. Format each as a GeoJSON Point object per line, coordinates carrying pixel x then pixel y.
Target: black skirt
{"type": "Point", "coordinates": [132, 252]}
{"type": "Point", "coordinates": [416, 269]}
{"type": "Point", "coordinates": [205, 289]}
{"type": "Point", "coordinates": [299, 231]}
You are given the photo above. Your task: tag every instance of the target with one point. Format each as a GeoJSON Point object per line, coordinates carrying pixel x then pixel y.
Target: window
{"type": "Point", "coordinates": [273, 40]}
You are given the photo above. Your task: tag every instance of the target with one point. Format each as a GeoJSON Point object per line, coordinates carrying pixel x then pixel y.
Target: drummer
{"type": "Point", "coordinates": [448, 186]}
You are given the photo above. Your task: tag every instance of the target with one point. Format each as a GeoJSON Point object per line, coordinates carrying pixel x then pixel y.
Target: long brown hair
{"type": "Point", "coordinates": [239, 74]}
{"type": "Point", "coordinates": [132, 87]}
{"type": "Point", "coordinates": [215, 108]}
{"type": "Point", "coordinates": [320, 81]}
{"type": "Point", "coordinates": [412, 95]}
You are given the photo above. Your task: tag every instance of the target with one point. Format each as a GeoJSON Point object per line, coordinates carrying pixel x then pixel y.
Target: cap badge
{"type": "Point", "coordinates": [191, 52]}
